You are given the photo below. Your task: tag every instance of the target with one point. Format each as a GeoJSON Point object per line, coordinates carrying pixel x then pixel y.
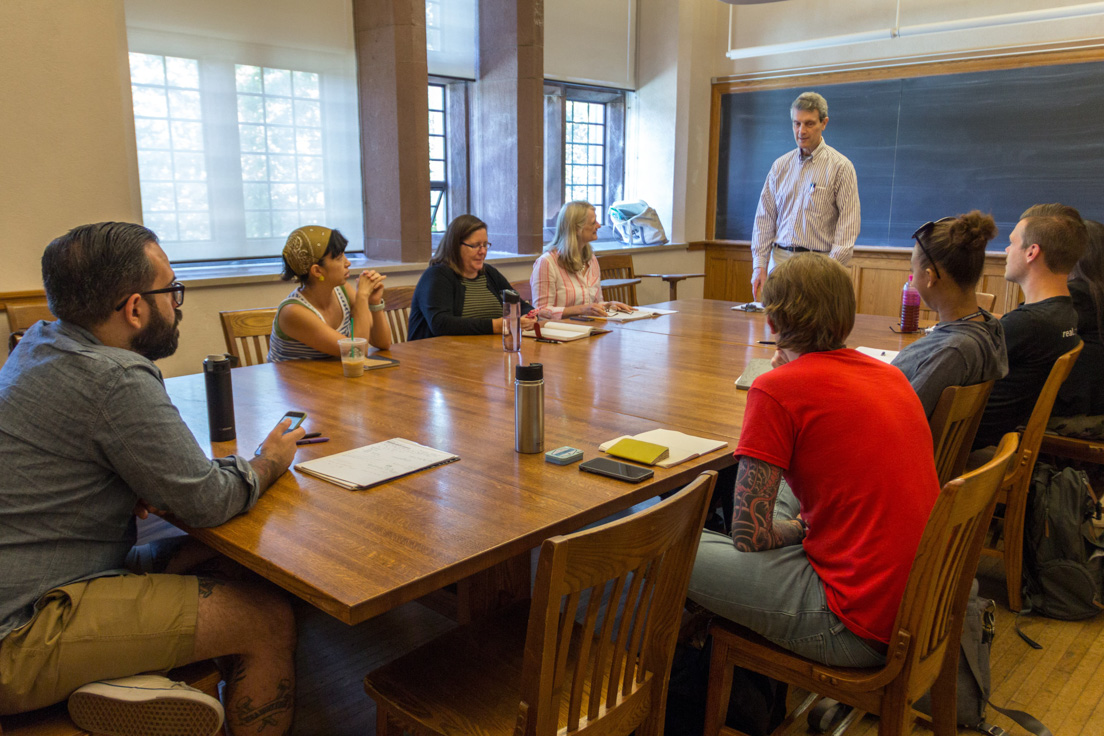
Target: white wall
{"type": "Point", "coordinates": [802, 20]}
{"type": "Point", "coordinates": [68, 155]}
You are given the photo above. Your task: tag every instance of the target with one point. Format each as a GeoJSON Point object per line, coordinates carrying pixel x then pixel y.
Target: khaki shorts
{"type": "Point", "coordinates": [96, 630]}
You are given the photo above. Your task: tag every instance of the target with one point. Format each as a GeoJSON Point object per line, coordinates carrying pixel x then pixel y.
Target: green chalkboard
{"type": "Point", "coordinates": [928, 147]}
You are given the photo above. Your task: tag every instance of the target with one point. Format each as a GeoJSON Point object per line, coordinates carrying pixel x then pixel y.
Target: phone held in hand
{"type": "Point", "coordinates": [296, 418]}
{"type": "Point", "coordinates": [622, 471]}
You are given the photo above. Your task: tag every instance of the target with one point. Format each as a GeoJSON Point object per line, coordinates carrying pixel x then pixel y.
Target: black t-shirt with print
{"type": "Point", "coordinates": [1037, 334]}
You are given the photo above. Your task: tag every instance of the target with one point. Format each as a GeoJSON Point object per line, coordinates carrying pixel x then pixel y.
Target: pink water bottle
{"type": "Point", "coordinates": [910, 307]}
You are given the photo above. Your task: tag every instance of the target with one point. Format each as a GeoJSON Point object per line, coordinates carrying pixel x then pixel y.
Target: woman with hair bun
{"type": "Point", "coordinates": [1083, 391]}
{"type": "Point", "coordinates": [967, 346]}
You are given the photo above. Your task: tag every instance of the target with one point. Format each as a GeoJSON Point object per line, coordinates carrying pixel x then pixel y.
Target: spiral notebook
{"type": "Point", "coordinates": [377, 463]}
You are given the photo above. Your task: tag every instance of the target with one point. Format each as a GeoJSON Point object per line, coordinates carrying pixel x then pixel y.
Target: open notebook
{"type": "Point", "coordinates": [565, 331]}
{"type": "Point", "coordinates": [376, 463]}
{"type": "Point", "coordinates": [680, 447]}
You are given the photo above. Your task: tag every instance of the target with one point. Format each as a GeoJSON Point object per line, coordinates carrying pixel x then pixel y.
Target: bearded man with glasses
{"type": "Point", "coordinates": [90, 439]}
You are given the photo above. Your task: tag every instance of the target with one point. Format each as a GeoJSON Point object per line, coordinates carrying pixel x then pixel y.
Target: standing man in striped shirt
{"type": "Point", "coordinates": [810, 201]}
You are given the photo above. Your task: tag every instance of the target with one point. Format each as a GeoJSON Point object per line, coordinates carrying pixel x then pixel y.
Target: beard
{"type": "Point", "coordinates": [159, 338]}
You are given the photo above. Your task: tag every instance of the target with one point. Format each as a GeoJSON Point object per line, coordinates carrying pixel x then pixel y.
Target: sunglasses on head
{"type": "Point", "coordinates": [924, 231]}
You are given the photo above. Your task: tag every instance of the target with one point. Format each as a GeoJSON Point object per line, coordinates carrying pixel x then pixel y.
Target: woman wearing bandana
{"type": "Point", "coordinates": [321, 311]}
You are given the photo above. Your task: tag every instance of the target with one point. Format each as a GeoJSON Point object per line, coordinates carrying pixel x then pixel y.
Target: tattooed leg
{"type": "Point", "coordinates": [250, 629]}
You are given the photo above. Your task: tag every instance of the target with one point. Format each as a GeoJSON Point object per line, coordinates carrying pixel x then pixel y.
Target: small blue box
{"type": "Point", "coordinates": [563, 455]}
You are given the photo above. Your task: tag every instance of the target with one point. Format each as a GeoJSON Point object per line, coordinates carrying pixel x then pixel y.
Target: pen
{"type": "Point", "coordinates": [542, 339]}
{"type": "Point", "coordinates": [766, 342]}
{"type": "Point", "coordinates": [312, 441]}
{"type": "Point", "coordinates": [311, 435]}
{"type": "Point", "coordinates": [581, 319]}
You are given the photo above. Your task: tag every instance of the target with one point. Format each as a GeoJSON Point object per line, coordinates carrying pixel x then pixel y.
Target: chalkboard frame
{"type": "Point", "coordinates": [997, 63]}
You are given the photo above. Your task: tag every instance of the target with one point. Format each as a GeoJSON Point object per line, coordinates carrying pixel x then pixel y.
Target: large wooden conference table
{"type": "Point", "coordinates": [356, 554]}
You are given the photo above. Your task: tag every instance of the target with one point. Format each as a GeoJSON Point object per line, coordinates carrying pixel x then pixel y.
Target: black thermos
{"type": "Point", "coordinates": [220, 397]}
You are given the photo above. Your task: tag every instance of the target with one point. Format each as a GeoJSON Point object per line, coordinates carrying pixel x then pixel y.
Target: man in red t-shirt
{"type": "Point", "coordinates": [849, 436]}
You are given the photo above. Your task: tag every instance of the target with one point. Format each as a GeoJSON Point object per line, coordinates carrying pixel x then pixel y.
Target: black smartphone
{"type": "Point", "coordinates": [296, 418]}
{"type": "Point", "coordinates": [612, 468]}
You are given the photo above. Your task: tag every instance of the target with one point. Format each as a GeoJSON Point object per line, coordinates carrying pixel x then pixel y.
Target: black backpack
{"type": "Point", "coordinates": [1063, 552]}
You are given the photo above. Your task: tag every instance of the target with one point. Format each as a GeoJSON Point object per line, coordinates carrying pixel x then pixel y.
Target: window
{"type": "Point", "coordinates": [438, 157]}
{"type": "Point", "coordinates": [234, 155]}
{"type": "Point", "coordinates": [280, 136]}
{"type": "Point", "coordinates": [584, 147]}
{"type": "Point", "coordinates": [584, 152]}
{"type": "Point", "coordinates": [168, 128]}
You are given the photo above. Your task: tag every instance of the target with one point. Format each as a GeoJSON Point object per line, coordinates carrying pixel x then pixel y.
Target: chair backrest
{"type": "Point", "coordinates": [618, 266]}
{"type": "Point", "coordinates": [22, 316]}
{"type": "Point", "coordinates": [611, 671]}
{"type": "Point", "coordinates": [929, 620]}
{"type": "Point", "coordinates": [246, 332]}
{"type": "Point", "coordinates": [1024, 465]}
{"type": "Point", "coordinates": [398, 300]}
{"type": "Point", "coordinates": [954, 422]}
{"type": "Point", "coordinates": [524, 290]}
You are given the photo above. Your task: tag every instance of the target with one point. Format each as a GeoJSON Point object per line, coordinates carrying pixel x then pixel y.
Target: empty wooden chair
{"type": "Point", "coordinates": [246, 332]}
{"type": "Point", "coordinates": [923, 650]}
{"type": "Point", "coordinates": [618, 279]}
{"type": "Point", "coordinates": [537, 672]}
{"type": "Point", "coordinates": [1017, 482]}
{"type": "Point", "coordinates": [398, 311]}
{"type": "Point", "coordinates": [954, 423]}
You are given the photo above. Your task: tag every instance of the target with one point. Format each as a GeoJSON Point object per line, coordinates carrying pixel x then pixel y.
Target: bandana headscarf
{"type": "Point", "coordinates": [305, 247]}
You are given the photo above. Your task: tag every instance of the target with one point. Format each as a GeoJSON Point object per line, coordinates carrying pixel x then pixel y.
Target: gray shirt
{"type": "Point", "coordinates": [85, 431]}
{"type": "Point", "coordinates": [957, 353]}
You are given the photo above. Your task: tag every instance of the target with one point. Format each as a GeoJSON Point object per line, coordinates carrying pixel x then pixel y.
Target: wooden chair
{"type": "Point", "coordinates": [954, 423]}
{"type": "Point", "coordinates": [1017, 482]}
{"type": "Point", "coordinates": [618, 279]}
{"type": "Point", "coordinates": [616, 269]}
{"type": "Point", "coordinates": [1073, 448]}
{"type": "Point", "coordinates": [246, 332]}
{"type": "Point", "coordinates": [398, 300]}
{"type": "Point", "coordinates": [923, 649]}
{"type": "Point", "coordinates": [524, 290]}
{"type": "Point", "coordinates": [606, 676]}
{"type": "Point", "coordinates": [54, 721]}
{"type": "Point", "coordinates": [23, 315]}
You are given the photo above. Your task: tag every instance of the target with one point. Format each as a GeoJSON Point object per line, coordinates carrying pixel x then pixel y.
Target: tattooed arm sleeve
{"type": "Point", "coordinates": [754, 527]}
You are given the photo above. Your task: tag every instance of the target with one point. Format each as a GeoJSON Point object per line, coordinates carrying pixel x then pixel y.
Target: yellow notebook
{"type": "Point", "coordinates": [639, 451]}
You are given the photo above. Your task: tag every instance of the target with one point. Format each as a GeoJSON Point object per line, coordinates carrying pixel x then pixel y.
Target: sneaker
{"type": "Point", "coordinates": [145, 705]}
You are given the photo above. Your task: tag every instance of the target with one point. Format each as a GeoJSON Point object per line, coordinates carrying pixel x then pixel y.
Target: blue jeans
{"type": "Point", "coordinates": [777, 594]}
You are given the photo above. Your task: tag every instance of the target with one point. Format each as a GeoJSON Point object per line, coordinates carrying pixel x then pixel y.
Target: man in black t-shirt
{"type": "Point", "coordinates": [1045, 245]}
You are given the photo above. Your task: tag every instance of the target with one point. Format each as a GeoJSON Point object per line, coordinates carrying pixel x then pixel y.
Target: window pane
{"type": "Point", "coordinates": [436, 170]}
{"type": "Point", "coordinates": [584, 154]}
{"type": "Point", "coordinates": [184, 105]}
{"type": "Point", "coordinates": [168, 132]}
{"type": "Point", "coordinates": [438, 154]}
{"type": "Point", "coordinates": [252, 138]}
{"type": "Point", "coordinates": [147, 69]}
{"type": "Point", "coordinates": [182, 72]}
{"type": "Point", "coordinates": [277, 82]}
{"type": "Point", "coordinates": [150, 102]}
{"type": "Point", "coordinates": [436, 97]}
{"type": "Point", "coordinates": [258, 224]}
{"type": "Point", "coordinates": [305, 85]}
{"type": "Point", "coordinates": [187, 136]}
{"type": "Point", "coordinates": [288, 183]}
{"type": "Point", "coordinates": [151, 133]}
{"type": "Point", "coordinates": [248, 79]}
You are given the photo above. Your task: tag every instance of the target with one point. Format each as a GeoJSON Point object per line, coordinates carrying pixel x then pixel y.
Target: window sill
{"type": "Point", "coordinates": [217, 274]}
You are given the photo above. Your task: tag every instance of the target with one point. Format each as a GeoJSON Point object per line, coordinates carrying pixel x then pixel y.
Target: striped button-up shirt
{"type": "Point", "coordinates": [555, 288]}
{"type": "Point", "coordinates": [808, 201]}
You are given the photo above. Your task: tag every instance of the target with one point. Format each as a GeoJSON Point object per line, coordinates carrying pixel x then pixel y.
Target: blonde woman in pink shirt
{"type": "Point", "coordinates": [566, 280]}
